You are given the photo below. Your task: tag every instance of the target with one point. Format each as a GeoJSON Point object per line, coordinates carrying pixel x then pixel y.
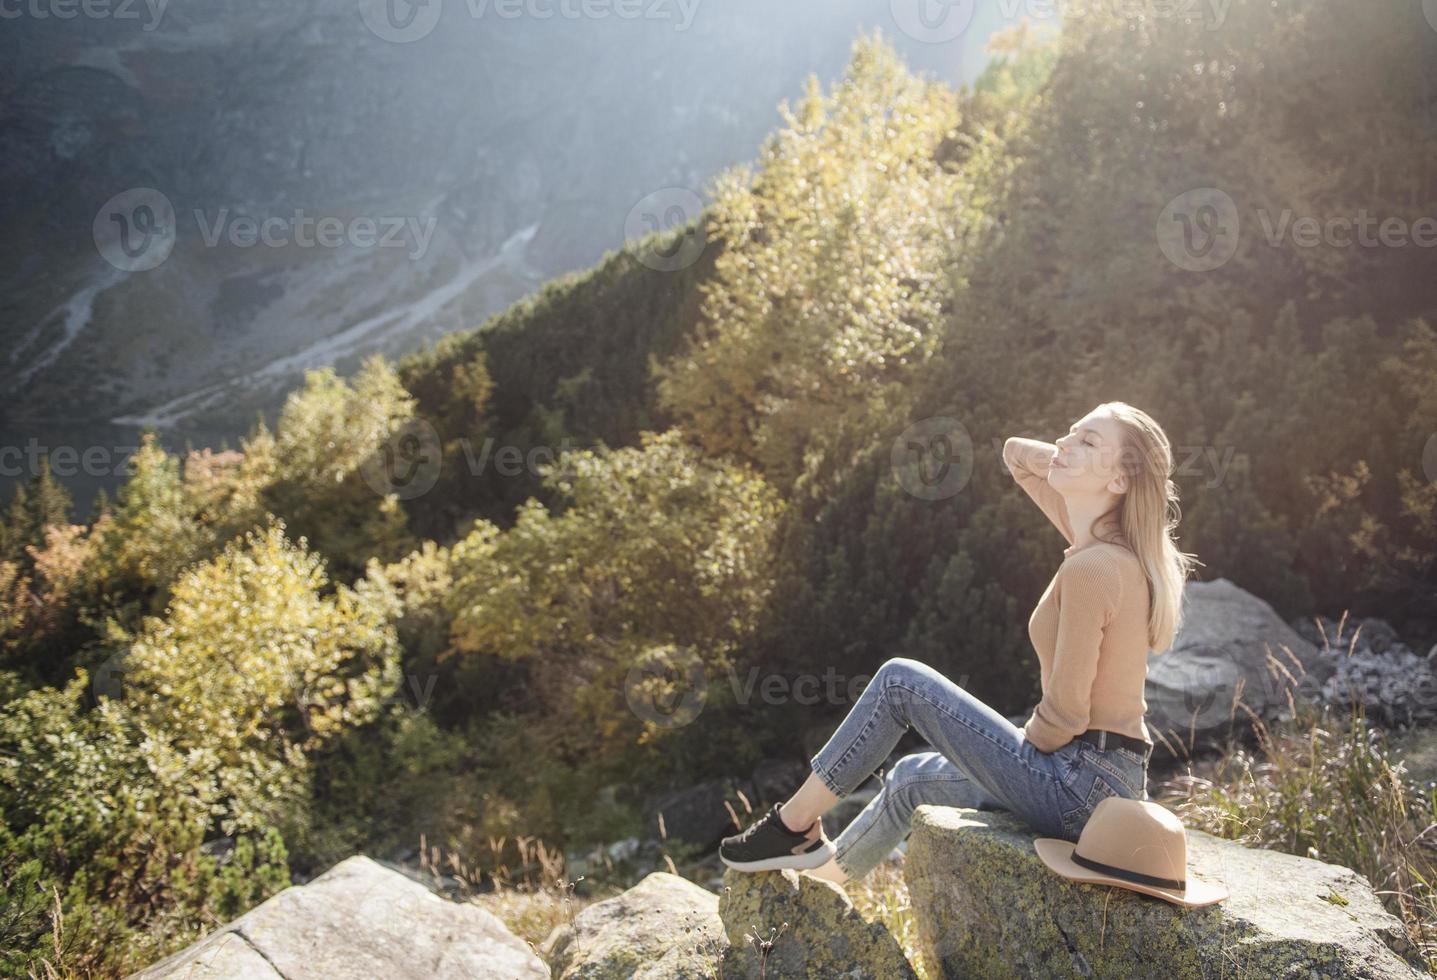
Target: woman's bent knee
{"type": "Point", "coordinates": [906, 774]}
{"type": "Point", "coordinates": [905, 768]}
{"type": "Point", "coordinates": [895, 666]}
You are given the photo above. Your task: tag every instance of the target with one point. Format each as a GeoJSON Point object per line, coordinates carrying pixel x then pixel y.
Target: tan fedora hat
{"type": "Point", "coordinates": [1134, 844]}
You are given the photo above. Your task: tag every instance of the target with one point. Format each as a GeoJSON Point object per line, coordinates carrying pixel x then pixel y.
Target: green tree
{"type": "Point", "coordinates": [107, 814]}
{"type": "Point", "coordinates": [328, 432]}
{"type": "Point", "coordinates": [40, 503]}
{"type": "Point", "coordinates": [657, 553]}
{"type": "Point", "coordinates": [256, 663]}
{"type": "Point", "coordinates": [832, 274]}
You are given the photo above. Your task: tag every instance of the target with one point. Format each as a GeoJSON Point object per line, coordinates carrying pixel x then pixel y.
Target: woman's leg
{"type": "Point", "coordinates": [983, 746]}
{"type": "Point", "coordinates": [831, 872]}
{"type": "Point", "coordinates": [917, 778]}
{"type": "Point", "coordinates": [811, 801]}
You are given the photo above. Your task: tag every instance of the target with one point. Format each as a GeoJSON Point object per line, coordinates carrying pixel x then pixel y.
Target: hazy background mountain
{"type": "Point", "coordinates": [493, 153]}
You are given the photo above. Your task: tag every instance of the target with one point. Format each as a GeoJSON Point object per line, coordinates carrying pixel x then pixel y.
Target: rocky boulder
{"type": "Point", "coordinates": [1395, 684]}
{"type": "Point", "coordinates": [357, 921]}
{"type": "Point", "coordinates": [664, 928]}
{"type": "Point", "coordinates": [814, 930]}
{"type": "Point", "coordinates": [1231, 645]}
{"type": "Point", "coordinates": [986, 906]}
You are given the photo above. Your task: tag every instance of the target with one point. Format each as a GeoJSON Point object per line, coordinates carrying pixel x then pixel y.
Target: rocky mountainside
{"type": "Point", "coordinates": [164, 173]}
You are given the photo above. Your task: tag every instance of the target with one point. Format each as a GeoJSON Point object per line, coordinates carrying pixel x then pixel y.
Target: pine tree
{"type": "Point", "coordinates": [41, 502]}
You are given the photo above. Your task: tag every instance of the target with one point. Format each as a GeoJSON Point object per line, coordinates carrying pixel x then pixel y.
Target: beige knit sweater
{"type": "Point", "coordinates": [1090, 628]}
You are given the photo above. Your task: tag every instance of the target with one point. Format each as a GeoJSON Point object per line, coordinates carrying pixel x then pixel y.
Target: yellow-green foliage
{"type": "Point", "coordinates": [154, 533]}
{"type": "Point", "coordinates": [833, 274]}
{"type": "Point", "coordinates": [657, 548]}
{"type": "Point", "coordinates": [327, 432]}
{"type": "Point", "coordinates": [105, 813]}
{"type": "Point", "coordinates": [255, 664]}
{"type": "Point", "coordinates": [898, 252]}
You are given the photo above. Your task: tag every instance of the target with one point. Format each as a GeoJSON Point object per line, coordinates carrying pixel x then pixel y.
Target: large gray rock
{"type": "Point", "coordinates": [664, 928]}
{"type": "Point", "coordinates": [1395, 684]}
{"type": "Point", "coordinates": [1231, 645]}
{"type": "Point", "coordinates": [357, 921]}
{"type": "Point", "coordinates": [818, 931]}
{"type": "Point", "coordinates": [986, 906]}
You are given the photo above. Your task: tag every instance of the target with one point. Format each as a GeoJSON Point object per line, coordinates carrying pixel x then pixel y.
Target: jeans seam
{"type": "Point", "coordinates": [843, 759]}
{"type": "Point", "coordinates": [1124, 780]}
{"type": "Point", "coordinates": [1087, 801]}
{"type": "Point", "coordinates": [826, 778]}
{"type": "Point", "coordinates": [971, 727]}
{"type": "Point", "coordinates": [849, 845]}
{"type": "Point", "coordinates": [1114, 772]}
{"type": "Point", "coordinates": [858, 739]}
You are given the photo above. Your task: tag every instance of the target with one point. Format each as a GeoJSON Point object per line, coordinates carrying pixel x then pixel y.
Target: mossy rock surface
{"type": "Point", "coordinates": [825, 936]}
{"type": "Point", "coordinates": [664, 928]}
{"type": "Point", "coordinates": [986, 905]}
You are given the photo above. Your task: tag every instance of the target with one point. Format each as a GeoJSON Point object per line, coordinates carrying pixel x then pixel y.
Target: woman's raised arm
{"type": "Point", "coordinates": [1028, 460]}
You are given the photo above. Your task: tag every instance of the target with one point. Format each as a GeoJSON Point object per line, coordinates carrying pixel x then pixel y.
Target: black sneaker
{"type": "Point", "coordinates": [767, 845]}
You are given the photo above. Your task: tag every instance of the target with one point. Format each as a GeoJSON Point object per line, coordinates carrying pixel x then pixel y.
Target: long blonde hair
{"type": "Point", "coordinates": [1148, 515]}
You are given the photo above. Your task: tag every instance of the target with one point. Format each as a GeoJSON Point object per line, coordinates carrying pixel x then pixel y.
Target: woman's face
{"type": "Point", "coordinates": [1088, 456]}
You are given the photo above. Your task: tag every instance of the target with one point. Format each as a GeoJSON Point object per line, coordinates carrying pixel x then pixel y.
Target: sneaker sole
{"type": "Point", "coordinates": [807, 861]}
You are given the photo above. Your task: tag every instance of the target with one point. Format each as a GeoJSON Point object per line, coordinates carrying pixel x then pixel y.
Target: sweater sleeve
{"type": "Point", "coordinates": [1090, 594]}
{"type": "Point", "coordinates": [1029, 461]}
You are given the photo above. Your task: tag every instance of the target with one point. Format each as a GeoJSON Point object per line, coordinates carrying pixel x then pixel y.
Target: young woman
{"type": "Point", "coordinates": [1116, 595]}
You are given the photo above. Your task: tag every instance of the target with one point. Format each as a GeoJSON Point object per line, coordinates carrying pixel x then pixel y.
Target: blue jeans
{"type": "Point", "coordinates": [982, 761]}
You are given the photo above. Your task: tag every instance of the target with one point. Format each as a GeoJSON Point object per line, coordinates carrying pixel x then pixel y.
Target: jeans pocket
{"type": "Point", "coordinates": [1128, 776]}
{"type": "Point", "coordinates": [1097, 790]}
